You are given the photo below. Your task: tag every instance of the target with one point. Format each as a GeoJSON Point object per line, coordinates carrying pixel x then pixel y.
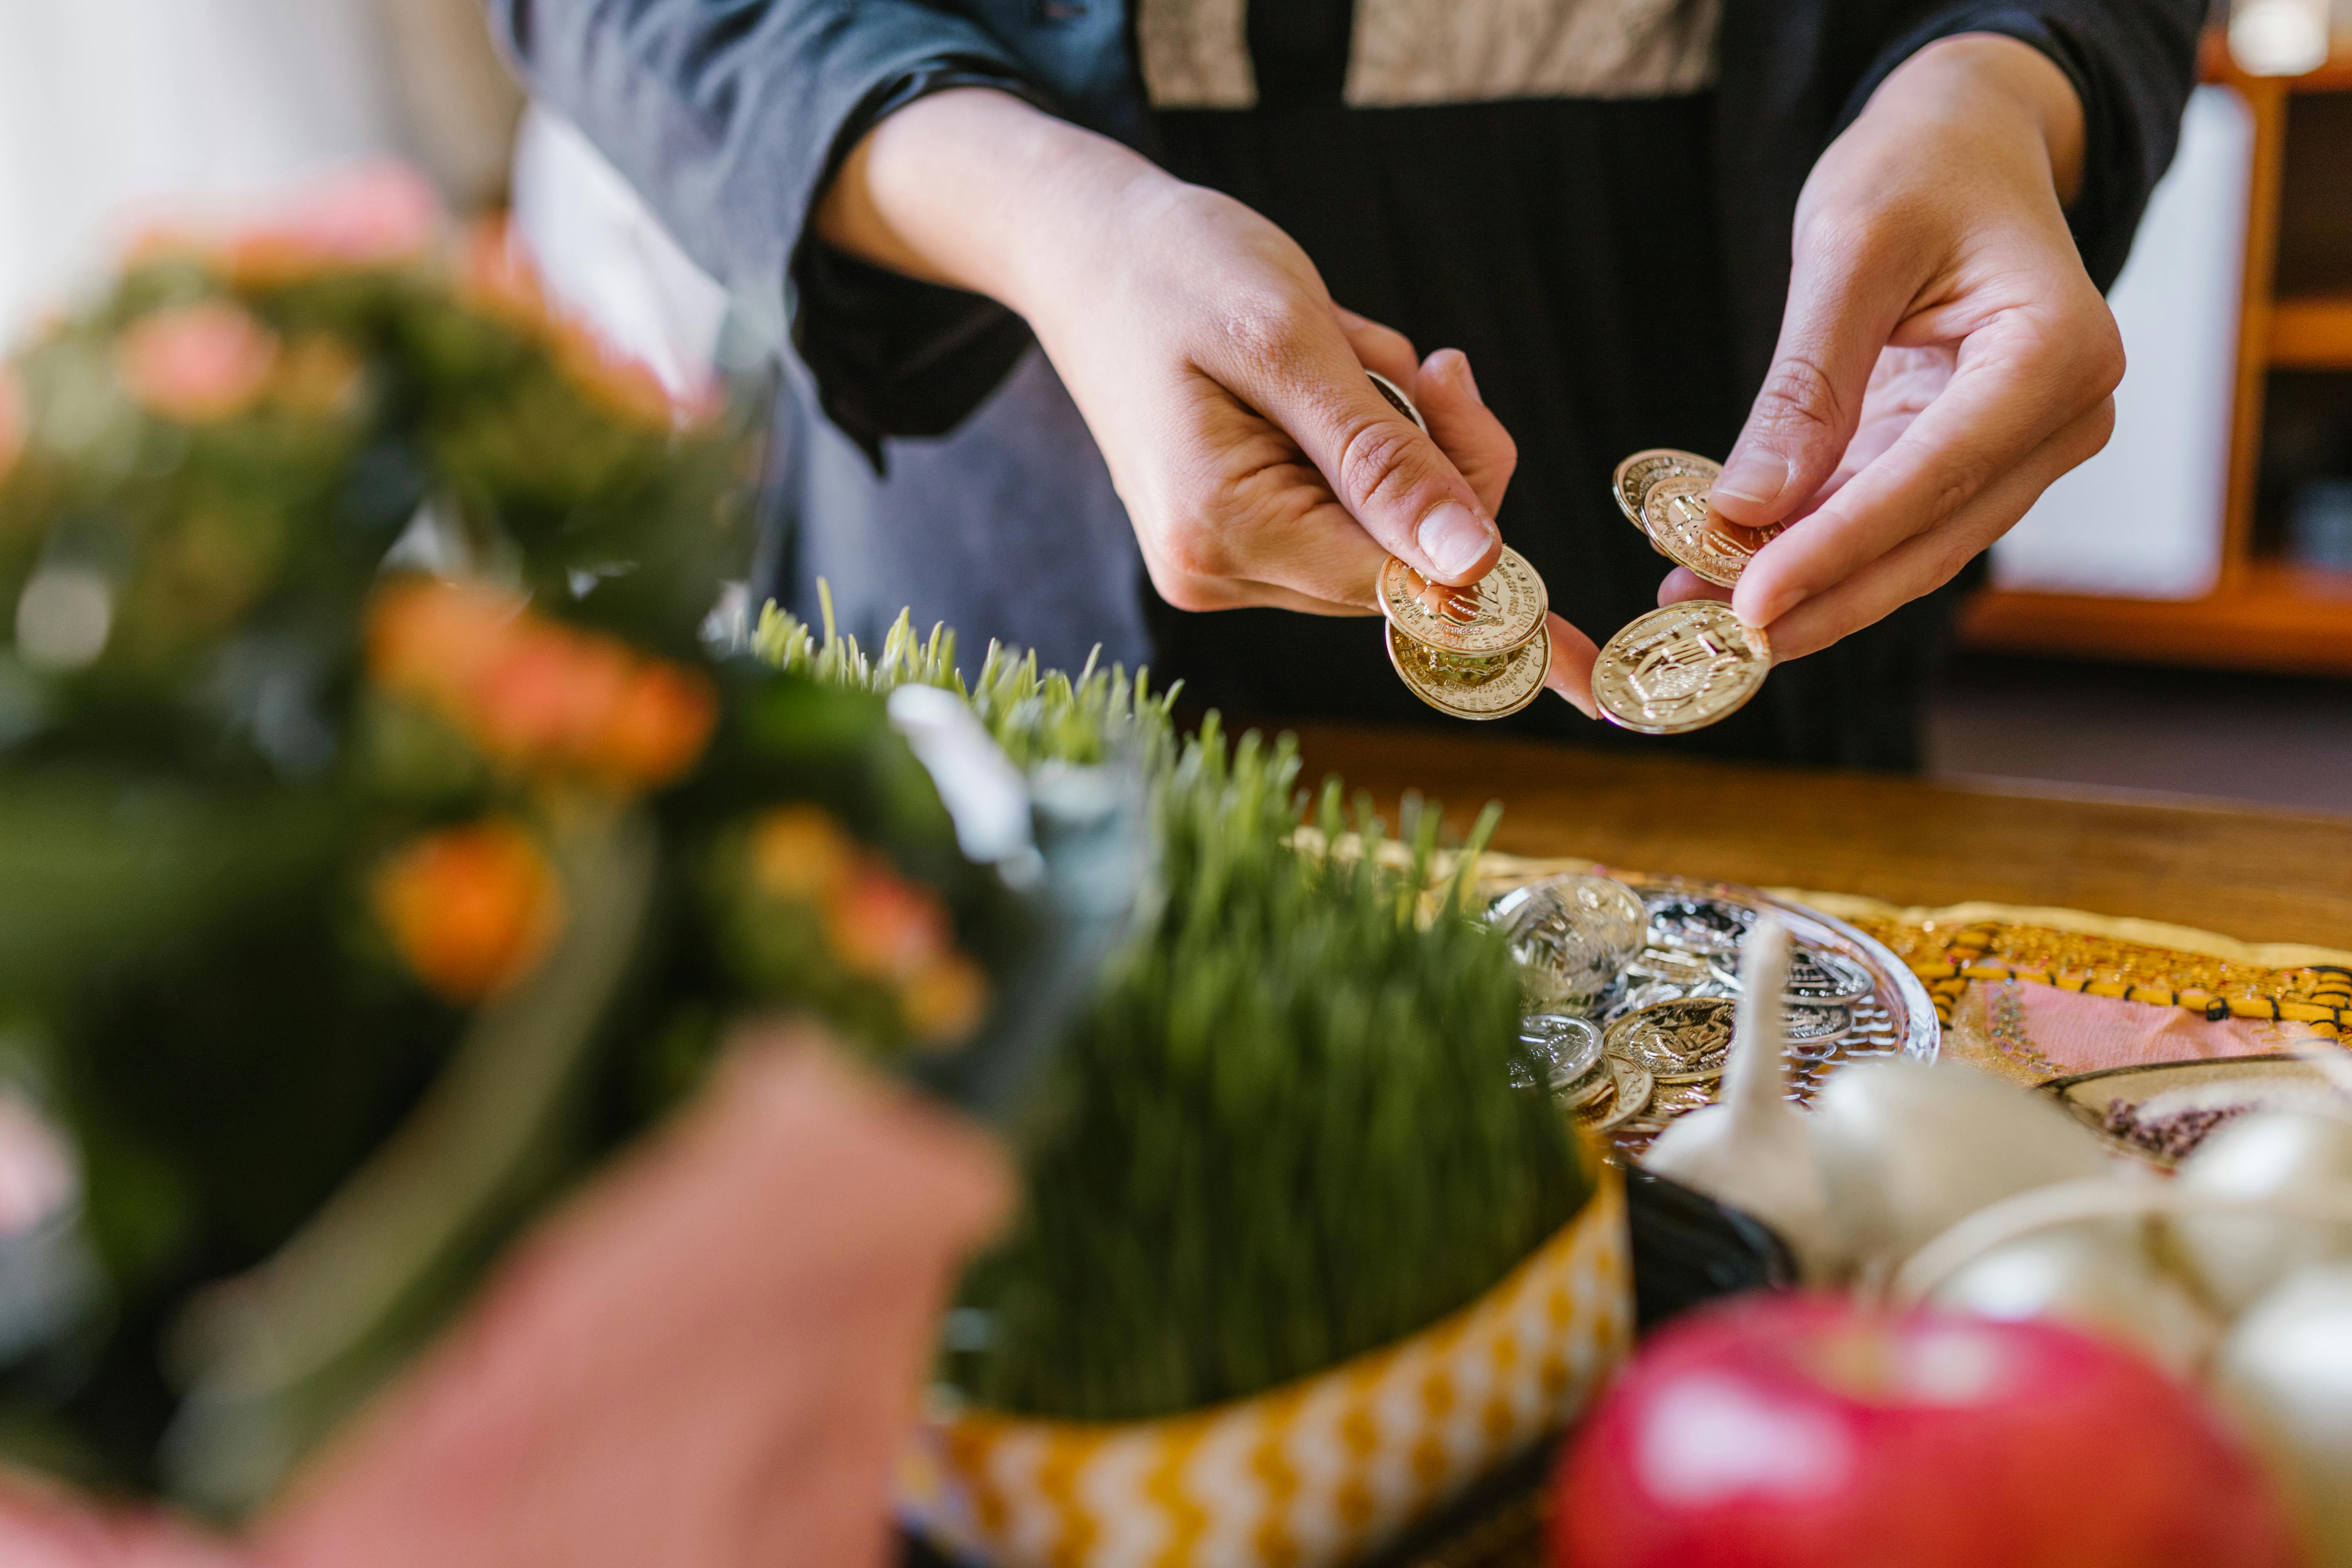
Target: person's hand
{"type": "Point", "coordinates": [1226, 389]}
{"type": "Point", "coordinates": [1944, 356]}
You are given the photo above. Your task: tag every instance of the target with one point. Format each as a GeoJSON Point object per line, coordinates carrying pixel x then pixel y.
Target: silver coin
{"type": "Point", "coordinates": [1803, 1023]}
{"type": "Point", "coordinates": [1675, 967]}
{"type": "Point", "coordinates": [1565, 1049]}
{"type": "Point", "coordinates": [1695, 923]}
{"type": "Point", "coordinates": [1814, 978]}
{"type": "Point", "coordinates": [1650, 993]}
{"type": "Point", "coordinates": [1570, 935]}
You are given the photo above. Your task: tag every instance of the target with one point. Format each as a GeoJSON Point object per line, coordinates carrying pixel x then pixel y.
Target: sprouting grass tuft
{"type": "Point", "coordinates": [1287, 1129]}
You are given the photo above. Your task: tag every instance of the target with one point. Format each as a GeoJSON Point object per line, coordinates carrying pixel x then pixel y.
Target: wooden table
{"type": "Point", "coordinates": [2256, 875]}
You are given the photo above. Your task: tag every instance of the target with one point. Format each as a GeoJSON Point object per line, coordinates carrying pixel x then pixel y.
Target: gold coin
{"type": "Point", "coordinates": [1683, 1041]}
{"type": "Point", "coordinates": [1497, 614]}
{"type": "Point", "coordinates": [1492, 686]}
{"type": "Point", "coordinates": [1680, 669]}
{"type": "Point", "coordinates": [1635, 476]}
{"type": "Point", "coordinates": [1683, 526]}
{"type": "Point", "coordinates": [1632, 1088]}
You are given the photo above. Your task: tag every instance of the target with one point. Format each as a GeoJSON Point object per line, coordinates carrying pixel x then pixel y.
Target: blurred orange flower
{"type": "Point", "coordinates": [946, 1001]}
{"type": "Point", "coordinates": [471, 909]}
{"type": "Point", "coordinates": [497, 278]}
{"type": "Point", "coordinates": [319, 377]}
{"type": "Point", "coordinates": [878, 925]}
{"type": "Point", "coordinates": [13, 421]}
{"type": "Point", "coordinates": [196, 363]}
{"type": "Point", "coordinates": [535, 695]}
{"type": "Point", "coordinates": [887, 928]}
{"type": "Point", "coordinates": [797, 852]}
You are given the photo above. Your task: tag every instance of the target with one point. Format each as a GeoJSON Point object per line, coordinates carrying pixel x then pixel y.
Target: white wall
{"type": "Point", "coordinates": [115, 112]}
{"type": "Point", "coordinates": [2143, 519]}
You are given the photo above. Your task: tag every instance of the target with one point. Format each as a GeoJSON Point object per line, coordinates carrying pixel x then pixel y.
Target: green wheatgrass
{"type": "Point", "coordinates": [1285, 1132]}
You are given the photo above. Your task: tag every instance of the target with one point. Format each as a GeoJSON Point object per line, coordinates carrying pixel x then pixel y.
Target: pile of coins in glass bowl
{"type": "Point", "coordinates": [1482, 651]}
{"type": "Point", "coordinates": [1632, 986]}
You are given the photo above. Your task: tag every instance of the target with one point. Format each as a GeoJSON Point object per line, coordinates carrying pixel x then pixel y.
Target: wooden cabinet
{"type": "Point", "coordinates": [2265, 613]}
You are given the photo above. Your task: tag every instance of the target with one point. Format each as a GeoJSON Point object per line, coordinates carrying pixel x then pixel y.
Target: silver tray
{"type": "Point", "coordinates": [1897, 1019]}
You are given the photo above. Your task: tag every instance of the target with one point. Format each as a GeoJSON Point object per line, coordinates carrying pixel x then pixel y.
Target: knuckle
{"type": "Point", "coordinates": [1192, 551]}
{"type": "Point", "coordinates": [2105, 360]}
{"type": "Point", "coordinates": [1264, 328]}
{"type": "Point", "coordinates": [1798, 395]}
{"type": "Point", "coordinates": [1381, 458]}
{"type": "Point", "coordinates": [1949, 561]}
{"type": "Point", "coordinates": [2095, 431]}
{"type": "Point", "coordinates": [1962, 477]}
{"type": "Point", "coordinates": [1184, 593]}
{"type": "Point", "coordinates": [1845, 243]}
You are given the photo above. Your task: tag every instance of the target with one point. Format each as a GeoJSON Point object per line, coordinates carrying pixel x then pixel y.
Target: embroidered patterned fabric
{"type": "Point", "coordinates": [2317, 995]}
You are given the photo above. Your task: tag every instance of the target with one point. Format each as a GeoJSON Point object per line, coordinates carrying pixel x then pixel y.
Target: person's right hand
{"type": "Point", "coordinates": [1226, 389]}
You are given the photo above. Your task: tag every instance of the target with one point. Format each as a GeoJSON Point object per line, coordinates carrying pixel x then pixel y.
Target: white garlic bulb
{"type": "Point", "coordinates": [2263, 1154]}
{"type": "Point", "coordinates": [1906, 1149]}
{"type": "Point", "coordinates": [2286, 1371]}
{"type": "Point", "coordinates": [2097, 1276]}
{"type": "Point", "coordinates": [1752, 1151]}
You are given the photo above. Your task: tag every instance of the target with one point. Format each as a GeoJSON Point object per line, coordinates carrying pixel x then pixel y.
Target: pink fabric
{"type": "Point", "coordinates": [2074, 1032]}
{"type": "Point", "coordinates": [709, 1361]}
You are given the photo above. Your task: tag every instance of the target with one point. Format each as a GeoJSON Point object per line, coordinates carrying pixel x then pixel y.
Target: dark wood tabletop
{"type": "Point", "coordinates": [2253, 874]}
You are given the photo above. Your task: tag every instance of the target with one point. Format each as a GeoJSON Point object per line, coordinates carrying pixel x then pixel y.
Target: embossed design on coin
{"type": "Point", "coordinates": [1570, 935]}
{"type": "Point", "coordinates": [1815, 979]}
{"type": "Point", "coordinates": [1683, 1041]}
{"type": "Point", "coordinates": [1565, 1049]}
{"type": "Point", "coordinates": [1674, 966]}
{"type": "Point", "coordinates": [1685, 527]}
{"type": "Point", "coordinates": [1680, 669]}
{"type": "Point", "coordinates": [1497, 614]}
{"type": "Point", "coordinates": [1489, 688]}
{"type": "Point", "coordinates": [1802, 1023]}
{"type": "Point", "coordinates": [1693, 923]}
{"type": "Point", "coordinates": [1631, 481]}
{"type": "Point", "coordinates": [1632, 1087]}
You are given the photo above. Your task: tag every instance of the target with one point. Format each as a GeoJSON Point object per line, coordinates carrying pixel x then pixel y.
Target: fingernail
{"type": "Point", "coordinates": [1757, 474]}
{"type": "Point", "coordinates": [1452, 538]}
{"type": "Point", "coordinates": [1584, 706]}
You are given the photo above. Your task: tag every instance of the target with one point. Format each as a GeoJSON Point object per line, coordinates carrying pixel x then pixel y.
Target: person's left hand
{"type": "Point", "coordinates": [1944, 356]}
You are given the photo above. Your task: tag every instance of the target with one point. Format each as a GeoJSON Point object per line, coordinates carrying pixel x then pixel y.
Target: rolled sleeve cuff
{"type": "Point", "coordinates": [893, 356]}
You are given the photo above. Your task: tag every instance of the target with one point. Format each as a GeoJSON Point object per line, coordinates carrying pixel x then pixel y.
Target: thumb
{"type": "Point", "coordinates": [1388, 474]}
{"type": "Point", "coordinates": [1840, 315]}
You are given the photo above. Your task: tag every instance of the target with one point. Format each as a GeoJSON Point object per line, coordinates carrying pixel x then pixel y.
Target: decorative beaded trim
{"type": "Point", "coordinates": [1947, 959]}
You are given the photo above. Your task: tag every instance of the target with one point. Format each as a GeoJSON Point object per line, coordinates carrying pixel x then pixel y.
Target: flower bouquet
{"type": "Point", "coordinates": [381, 847]}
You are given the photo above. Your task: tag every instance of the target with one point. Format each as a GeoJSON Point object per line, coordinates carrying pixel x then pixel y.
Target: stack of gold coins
{"type": "Point", "coordinates": [1686, 665]}
{"type": "Point", "coordinates": [1475, 652]}
{"type": "Point", "coordinates": [1478, 652]}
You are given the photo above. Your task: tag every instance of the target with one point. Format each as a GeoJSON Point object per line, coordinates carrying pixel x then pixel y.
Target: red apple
{"type": "Point", "coordinates": [1813, 1433]}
